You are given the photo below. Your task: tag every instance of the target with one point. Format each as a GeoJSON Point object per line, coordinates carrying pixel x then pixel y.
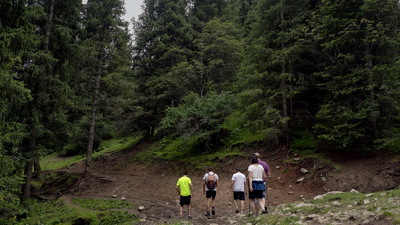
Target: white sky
{"type": "Point", "coordinates": [133, 9]}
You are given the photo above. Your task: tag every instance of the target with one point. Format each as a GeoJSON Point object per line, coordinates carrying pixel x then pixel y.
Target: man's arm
{"type": "Point", "coordinates": [230, 186]}
{"type": "Point", "coordinates": [178, 189]}
{"type": "Point", "coordinates": [191, 189]}
{"type": "Point", "coordinates": [250, 180]}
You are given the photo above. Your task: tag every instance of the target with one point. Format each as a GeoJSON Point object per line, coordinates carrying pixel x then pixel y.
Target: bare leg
{"type": "Point", "coordinates": [261, 203]}
{"type": "Point", "coordinates": [253, 206]}
{"type": "Point", "coordinates": [208, 204]}
{"type": "Point", "coordinates": [242, 206]}
{"type": "Point", "coordinates": [189, 209]}
{"type": "Point", "coordinates": [181, 211]}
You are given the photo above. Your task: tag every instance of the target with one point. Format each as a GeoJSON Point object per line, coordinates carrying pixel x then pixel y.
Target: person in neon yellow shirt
{"type": "Point", "coordinates": [185, 190]}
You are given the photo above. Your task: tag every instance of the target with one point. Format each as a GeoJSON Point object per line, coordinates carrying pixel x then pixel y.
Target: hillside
{"type": "Point", "coordinates": [153, 186]}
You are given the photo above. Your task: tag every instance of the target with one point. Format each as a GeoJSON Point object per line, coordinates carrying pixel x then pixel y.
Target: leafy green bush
{"type": "Point", "coordinates": [10, 181]}
{"type": "Point", "coordinates": [304, 141]}
{"type": "Point", "coordinates": [198, 120]}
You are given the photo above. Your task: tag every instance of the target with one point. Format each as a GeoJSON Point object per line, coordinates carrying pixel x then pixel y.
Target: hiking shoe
{"type": "Point", "coordinates": [264, 212]}
{"type": "Point", "coordinates": [237, 210]}
{"type": "Point", "coordinates": [213, 211]}
{"type": "Point", "coordinates": [190, 217]}
{"type": "Point", "coordinates": [208, 214]}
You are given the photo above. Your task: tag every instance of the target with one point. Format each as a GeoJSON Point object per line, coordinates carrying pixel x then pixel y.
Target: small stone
{"type": "Point", "coordinates": [296, 159]}
{"type": "Point", "coordinates": [300, 180]}
{"type": "Point", "coordinates": [114, 196]}
{"type": "Point", "coordinates": [123, 198]}
{"type": "Point", "coordinates": [366, 201]}
{"type": "Point", "coordinates": [141, 208]}
{"type": "Point", "coordinates": [312, 216]}
{"type": "Point", "coordinates": [277, 167]}
{"type": "Point", "coordinates": [368, 195]}
{"type": "Point", "coordinates": [290, 192]}
{"type": "Point", "coordinates": [303, 170]}
{"type": "Point", "coordinates": [354, 191]}
{"type": "Point", "coordinates": [323, 179]}
{"type": "Point", "coordinates": [336, 203]}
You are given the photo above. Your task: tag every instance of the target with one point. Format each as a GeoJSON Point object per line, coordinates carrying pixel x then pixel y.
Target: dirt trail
{"type": "Point", "coordinates": [154, 187]}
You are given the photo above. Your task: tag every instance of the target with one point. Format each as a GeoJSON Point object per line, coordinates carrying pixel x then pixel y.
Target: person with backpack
{"type": "Point", "coordinates": [238, 181]}
{"type": "Point", "coordinates": [256, 186]}
{"type": "Point", "coordinates": [185, 190]}
{"type": "Point", "coordinates": [210, 188]}
{"type": "Point", "coordinates": [267, 173]}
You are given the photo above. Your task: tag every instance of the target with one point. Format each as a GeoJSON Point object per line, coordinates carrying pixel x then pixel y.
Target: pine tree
{"type": "Point", "coordinates": [163, 43]}
{"type": "Point", "coordinates": [106, 42]}
{"type": "Point", "coordinates": [358, 40]}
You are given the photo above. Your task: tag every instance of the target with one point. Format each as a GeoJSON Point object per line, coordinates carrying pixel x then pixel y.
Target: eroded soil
{"type": "Point", "coordinates": [153, 186]}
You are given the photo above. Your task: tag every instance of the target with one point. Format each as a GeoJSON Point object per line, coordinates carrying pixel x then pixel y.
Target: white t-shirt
{"type": "Point", "coordinates": [257, 171]}
{"type": "Point", "coordinates": [239, 179]}
{"type": "Point", "coordinates": [206, 179]}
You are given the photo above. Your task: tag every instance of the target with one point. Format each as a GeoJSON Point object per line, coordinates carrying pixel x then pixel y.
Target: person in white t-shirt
{"type": "Point", "coordinates": [210, 188]}
{"type": "Point", "coordinates": [256, 186]}
{"type": "Point", "coordinates": [238, 184]}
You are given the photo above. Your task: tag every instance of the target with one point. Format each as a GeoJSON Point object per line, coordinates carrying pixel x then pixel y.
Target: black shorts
{"type": "Point", "coordinates": [256, 194]}
{"type": "Point", "coordinates": [185, 200]}
{"type": "Point", "coordinates": [238, 195]}
{"type": "Point", "coordinates": [211, 194]}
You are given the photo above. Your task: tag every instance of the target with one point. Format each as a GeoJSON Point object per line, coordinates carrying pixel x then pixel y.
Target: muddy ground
{"type": "Point", "coordinates": [153, 186]}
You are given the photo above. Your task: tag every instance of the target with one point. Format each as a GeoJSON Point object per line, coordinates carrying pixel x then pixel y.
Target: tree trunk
{"type": "Point", "coordinates": [283, 86]}
{"type": "Point", "coordinates": [36, 166]}
{"type": "Point", "coordinates": [26, 187]}
{"type": "Point", "coordinates": [48, 26]}
{"type": "Point", "coordinates": [89, 151]}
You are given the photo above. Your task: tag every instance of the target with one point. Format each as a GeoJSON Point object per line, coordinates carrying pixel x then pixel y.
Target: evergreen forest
{"type": "Point", "coordinates": [200, 76]}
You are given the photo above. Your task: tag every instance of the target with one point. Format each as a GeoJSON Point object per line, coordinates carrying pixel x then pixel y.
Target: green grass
{"type": "Point", "coordinates": [386, 202]}
{"type": "Point", "coordinates": [101, 204]}
{"type": "Point", "coordinates": [57, 212]}
{"type": "Point", "coordinates": [55, 161]}
{"type": "Point", "coordinates": [171, 150]}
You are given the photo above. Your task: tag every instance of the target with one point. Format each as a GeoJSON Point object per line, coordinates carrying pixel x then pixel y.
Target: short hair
{"type": "Point", "coordinates": [254, 159]}
{"type": "Point", "coordinates": [209, 169]}
{"type": "Point", "coordinates": [238, 169]}
{"type": "Point", "coordinates": [185, 173]}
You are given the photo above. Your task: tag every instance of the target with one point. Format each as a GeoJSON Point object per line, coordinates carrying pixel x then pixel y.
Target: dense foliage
{"type": "Point", "coordinates": [306, 74]}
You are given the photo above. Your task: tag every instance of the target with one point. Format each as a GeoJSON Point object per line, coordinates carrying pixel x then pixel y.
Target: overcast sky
{"type": "Point", "coordinates": [133, 9]}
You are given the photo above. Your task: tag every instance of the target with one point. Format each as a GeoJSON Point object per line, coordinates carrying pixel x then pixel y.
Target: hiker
{"type": "Point", "coordinates": [256, 186]}
{"type": "Point", "coordinates": [185, 189]}
{"type": "Point", "coordinates": [210, 188]}
{"type": "Point", "coordinates": [263, 164]}
{"type": "Point", "coordinates": [268, 174]}
{"type": "Point", "coordinates": [238, 181]}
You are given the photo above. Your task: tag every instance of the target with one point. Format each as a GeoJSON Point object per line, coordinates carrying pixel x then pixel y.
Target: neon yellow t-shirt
{"type": "Point", "coordinates": [184, 185]}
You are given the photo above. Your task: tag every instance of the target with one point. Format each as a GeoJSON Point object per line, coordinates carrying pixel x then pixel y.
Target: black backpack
{"type": "Point", "coordinates": [211, 180]}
